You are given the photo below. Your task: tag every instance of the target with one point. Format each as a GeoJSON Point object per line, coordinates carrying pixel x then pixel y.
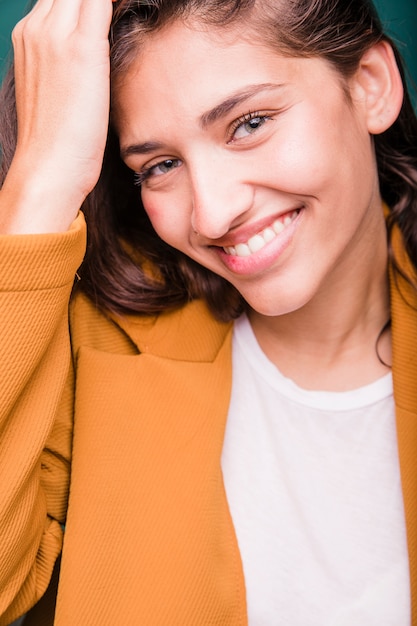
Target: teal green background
{"type": "Point", "coordinates": [399, 17]}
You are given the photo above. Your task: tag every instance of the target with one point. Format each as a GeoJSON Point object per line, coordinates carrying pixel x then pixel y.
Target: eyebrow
{"type": "Point", "coordinates": [222, 109]}
{"type": "Point", "coordinates": [141, 148]}
{"type": "Point", "coordinates": [208, 118]}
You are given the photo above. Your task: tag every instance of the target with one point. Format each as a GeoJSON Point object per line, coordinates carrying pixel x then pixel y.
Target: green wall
{"type": "Point", "coordinates": [399, 17]}
{"type": "Point", "coordinates": [400, 20]}
{"type": "Point", "coordinates": [10, 12]}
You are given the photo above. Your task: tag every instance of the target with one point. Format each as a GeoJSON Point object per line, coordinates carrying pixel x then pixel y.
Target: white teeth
{"type": "Point", "coordinates": [242, 249]}
{"type": "Point", "coordinates": [278, 227]}
{"type": "Point", "coordinates": [268, 234]}
{"type": "Point", "coordinates": [257, 242]}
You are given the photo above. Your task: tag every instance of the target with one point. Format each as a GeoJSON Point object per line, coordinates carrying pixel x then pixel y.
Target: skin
{"type": "Point", "coordinates": [318, 293]}
{"type": "Point", "coordinates": [62, 70]}
{"type": "Point", "coordinates": [212, 178]}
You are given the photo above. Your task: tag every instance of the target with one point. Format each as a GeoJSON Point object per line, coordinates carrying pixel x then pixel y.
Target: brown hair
{"type": "Point", "coordinates": [122, 245]}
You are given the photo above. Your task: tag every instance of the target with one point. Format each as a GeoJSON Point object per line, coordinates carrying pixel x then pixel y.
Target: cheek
{"type": "Point", "coordinates": [301, 168]}
{"type": "Point", "coordinates": [305, 157]}
{"type": "Point", "coordinates": [166, 219]}
{"type": "Point", "coordinates": [319, 146]}
{"type": "Point", "coordinates": [154, 211]}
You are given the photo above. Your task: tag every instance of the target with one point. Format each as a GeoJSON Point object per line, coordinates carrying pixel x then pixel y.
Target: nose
{"type": "Point", "coordinates": [221, 196]}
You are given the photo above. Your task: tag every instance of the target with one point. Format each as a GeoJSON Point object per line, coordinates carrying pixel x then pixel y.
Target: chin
{"type": "Point", "coordinates": [282, 302]}
{"type": "Point", "coordinates": [273, 309]}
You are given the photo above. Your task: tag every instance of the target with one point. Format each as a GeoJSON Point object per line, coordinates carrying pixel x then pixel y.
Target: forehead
{"type": "Point", "coordinates": [185, 69]}
{"type": "Point", "coordinates": [182, 47]}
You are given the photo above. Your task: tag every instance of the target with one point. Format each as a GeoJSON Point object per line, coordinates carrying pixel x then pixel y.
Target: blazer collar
{"type": "Point", "coordinates": [404, 371]}
{"type": "Point", "coordinates": [404, 327]}
{"type": "Point", "coordinates": [188, 334]}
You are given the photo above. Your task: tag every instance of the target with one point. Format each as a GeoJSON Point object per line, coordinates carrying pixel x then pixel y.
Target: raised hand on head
{"type": "Point", "coordinates": [62, 70]}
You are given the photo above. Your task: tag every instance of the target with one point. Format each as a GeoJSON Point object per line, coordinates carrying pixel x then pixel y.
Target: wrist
{"type": "Point", "coordinates": [37, 203]}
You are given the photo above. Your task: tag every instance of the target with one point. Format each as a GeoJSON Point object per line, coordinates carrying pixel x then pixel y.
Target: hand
{"type": "Point", "coordinates": [62, 92]}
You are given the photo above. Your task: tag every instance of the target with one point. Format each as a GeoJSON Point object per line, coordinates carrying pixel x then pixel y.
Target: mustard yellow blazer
{"type": "Point", "coordinates": [139, 410]}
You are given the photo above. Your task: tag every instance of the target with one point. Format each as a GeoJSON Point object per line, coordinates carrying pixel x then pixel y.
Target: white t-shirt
{"type": "Point", "coordinates": [313, 484]}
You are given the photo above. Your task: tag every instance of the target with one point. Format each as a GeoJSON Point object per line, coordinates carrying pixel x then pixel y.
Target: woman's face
{"type": "Point", "coordinates": [253, 164]}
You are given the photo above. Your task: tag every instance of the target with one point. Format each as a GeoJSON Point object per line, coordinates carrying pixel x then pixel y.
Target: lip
{"type": "Point", "coordinates": [246, 232]}
{"type": "Point", "coordinates": [264, 258]}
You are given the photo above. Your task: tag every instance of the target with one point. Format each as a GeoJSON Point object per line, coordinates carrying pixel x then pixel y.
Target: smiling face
{"type": "Point", "coordinates": [255, 165]}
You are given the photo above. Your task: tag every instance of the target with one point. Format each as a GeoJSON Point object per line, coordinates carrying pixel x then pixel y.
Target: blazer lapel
{"type": "Point", "coordinates": [404, 345]}
{"type": "Point", "coordinates": [148, 438]}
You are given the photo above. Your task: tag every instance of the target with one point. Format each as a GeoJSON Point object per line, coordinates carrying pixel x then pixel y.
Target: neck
{"type": "Point", "coordinates": [335, 342]}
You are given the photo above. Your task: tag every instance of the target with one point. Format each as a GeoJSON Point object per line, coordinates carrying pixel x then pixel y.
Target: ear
{"type": "Point", "coordinates": [379, 87]}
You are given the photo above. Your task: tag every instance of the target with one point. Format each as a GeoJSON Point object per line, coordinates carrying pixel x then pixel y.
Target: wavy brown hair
{"type": "Point", "coordinates": [122, 245]}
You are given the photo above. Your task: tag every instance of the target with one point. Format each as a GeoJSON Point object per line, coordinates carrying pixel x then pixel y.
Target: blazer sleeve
{"type": "Point", "coordinates": [36, 409]}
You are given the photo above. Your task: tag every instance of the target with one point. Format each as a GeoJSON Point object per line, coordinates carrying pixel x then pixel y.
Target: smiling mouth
{"type": "Point", "coordinates": [260, 240]}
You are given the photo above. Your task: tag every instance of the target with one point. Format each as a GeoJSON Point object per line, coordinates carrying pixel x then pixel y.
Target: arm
{"type": "Point", "coordinates": [37, 274]}
{"type": "Point", "coordinates": [62, 100]}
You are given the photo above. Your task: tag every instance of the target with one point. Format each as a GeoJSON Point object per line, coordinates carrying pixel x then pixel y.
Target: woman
{"type": "Point", "coordinates": [238, 411]}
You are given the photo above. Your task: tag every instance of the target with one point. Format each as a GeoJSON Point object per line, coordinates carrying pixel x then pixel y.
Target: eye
{"type": "Point", "coordinates": [164, 167]}
{"type": "Point", "coordinates": [247, 125]}
{"type": "Point", "coordinates": [159, 169]}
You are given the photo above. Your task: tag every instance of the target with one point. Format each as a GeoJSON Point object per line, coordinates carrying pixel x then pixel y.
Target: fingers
{"type": "Point", "coordinates": [88, 17]}
{"type": "Point", "coordinates": [38, 12]}
{"type": "Point", "coordinates": [95, 16]}
{"type": "Point", "coordinates": [41, 7]}
{"type": "Point", "coordinates": [62, 17]}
